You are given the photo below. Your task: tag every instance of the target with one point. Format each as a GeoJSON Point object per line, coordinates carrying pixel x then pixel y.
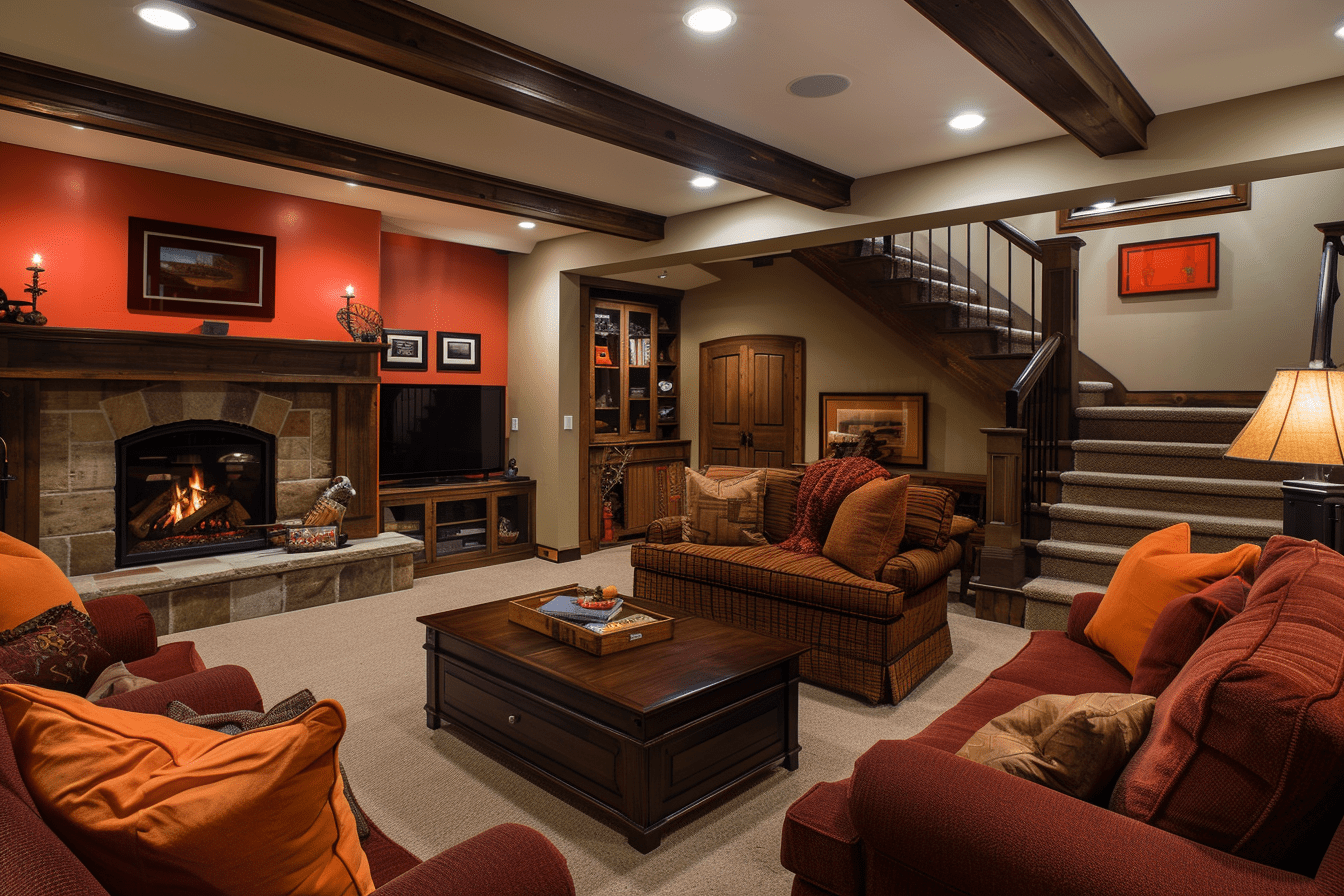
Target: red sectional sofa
{"type": "Point", "coordinates": [915, 819]}
{"type": "Point", "coordinates": [508, 859]}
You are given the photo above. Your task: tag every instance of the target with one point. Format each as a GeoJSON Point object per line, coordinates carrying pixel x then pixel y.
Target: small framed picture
{"type": "Point", "coordinates": [406, 350]}
{"type": "Point", "coordinates": [460, 352]}
{"type": "Point", "coordinates": [1160, 267]}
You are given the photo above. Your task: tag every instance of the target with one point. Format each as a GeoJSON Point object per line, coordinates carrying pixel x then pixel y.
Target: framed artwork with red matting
{"type": "Point", "coordinates": [185, 269]}
{"type": "Point", "coordinates": [1157, 267]}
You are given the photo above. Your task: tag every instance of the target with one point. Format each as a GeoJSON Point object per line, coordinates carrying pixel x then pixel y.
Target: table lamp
{"type": "Point", "coordinates": [1301, 420]}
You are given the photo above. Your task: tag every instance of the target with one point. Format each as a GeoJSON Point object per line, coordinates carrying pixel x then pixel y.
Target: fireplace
{"type": "Point", "coordinates": [191, 489]}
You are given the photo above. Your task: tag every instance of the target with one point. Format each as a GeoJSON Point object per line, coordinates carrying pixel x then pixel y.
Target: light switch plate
{"type": "Point", "coordinates": [569, 422]}
{"type": "Point", "coordinates": [514, 427]}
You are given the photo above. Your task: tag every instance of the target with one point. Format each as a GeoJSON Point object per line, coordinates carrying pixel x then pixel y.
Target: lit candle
{"type": "Point", "coordinates": [37, 260]}
{"type": "Point", "coordinates": [350, 291]}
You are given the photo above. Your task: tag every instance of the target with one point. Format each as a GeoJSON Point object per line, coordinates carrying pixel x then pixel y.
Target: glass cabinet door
{"type": "Point", "coordinates": [461, 527]}
{"type": "Point", "coordinates": [639, 372]}
{"type": "Point", "coordinates": [608, 352]}
{"type": "Point", "coordinates": [409, 520]}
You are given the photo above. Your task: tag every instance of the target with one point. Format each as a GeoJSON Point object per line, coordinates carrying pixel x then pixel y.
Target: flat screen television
{"type": "Point", "coordinates": [439, 431]}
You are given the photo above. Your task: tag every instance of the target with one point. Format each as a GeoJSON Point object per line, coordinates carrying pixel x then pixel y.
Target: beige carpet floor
{"type": "Point", "coordinates": [428, 790]}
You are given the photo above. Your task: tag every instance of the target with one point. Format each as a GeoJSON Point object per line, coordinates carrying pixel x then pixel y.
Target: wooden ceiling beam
{"type": "Point", "coordinates": [55, 93]}
{"type": "Point", "coordinates": [1047, 53]}
{"type": "Point", "coordinates": [410, 41]}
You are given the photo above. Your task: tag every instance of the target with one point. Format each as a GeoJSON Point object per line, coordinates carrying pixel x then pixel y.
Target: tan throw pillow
{"type": "Point", "coordinates": [1076, 745]}
{"type": "Point", "coordinates": [723, 511]}
{"type": "Point", "coordinates": [116, 679]}
{"type": "Point", "coordinates": [868, 527]}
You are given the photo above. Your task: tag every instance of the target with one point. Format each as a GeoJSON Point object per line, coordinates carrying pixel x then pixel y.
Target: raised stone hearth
{"type": "Point", "coordinates": [204, 591]}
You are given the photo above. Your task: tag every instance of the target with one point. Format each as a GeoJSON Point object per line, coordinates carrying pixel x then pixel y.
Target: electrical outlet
{"type": "Point", "coordinates": [514, 427]}
{"type": "Point", "coordinates": [569, 422]}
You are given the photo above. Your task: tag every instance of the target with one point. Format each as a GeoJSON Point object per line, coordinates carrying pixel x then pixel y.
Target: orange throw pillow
{"type": "Point", "coordinates": [150, 805]}
{"type": "Point", "coordinates": [1157, 570]}
{"type": "Point", "coordinates": [868, 527]}
{"type": "Point", "coordinates": [30, 584]}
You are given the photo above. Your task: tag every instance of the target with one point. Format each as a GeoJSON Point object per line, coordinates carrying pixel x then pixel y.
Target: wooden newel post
{"type": "Point", "coordinates": [1002, 560]}
{"type": "Point", "coordinates": [1059, 314]}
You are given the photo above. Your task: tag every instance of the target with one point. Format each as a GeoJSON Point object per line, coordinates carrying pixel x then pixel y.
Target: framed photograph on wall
{"type": "Point", "coordinates": [1158, 267]}
{"type": "Point", "coordinates": [896, 422]}
{"type": "Point", "coordinates": [406, 350]}
{"type": "Point", "coordinates": [185, 269]}
{"type": "Point", "coordinates": [460, 352]}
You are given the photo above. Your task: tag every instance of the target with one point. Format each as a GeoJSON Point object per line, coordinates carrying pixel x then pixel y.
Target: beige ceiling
{"type": "Point", "coordinates": [908, 78]}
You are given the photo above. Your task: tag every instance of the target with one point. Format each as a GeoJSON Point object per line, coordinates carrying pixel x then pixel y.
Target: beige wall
{"type": "Point", "coordinates": [847, 350]}
{"type": "Point", "coordinates": [1283, 133]}
{"type": "Point", "coordinates": [1229, 339]}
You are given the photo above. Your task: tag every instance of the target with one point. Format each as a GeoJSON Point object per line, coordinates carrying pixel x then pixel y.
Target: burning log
{"type": "Point", "coordinates": [212, 505]}
{"type": "Point", "coordinates": [237, 515]}
{"type": "Point", "coordinates": [144, 521]}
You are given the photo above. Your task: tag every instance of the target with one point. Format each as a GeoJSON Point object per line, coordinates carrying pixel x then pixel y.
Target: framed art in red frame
{"type": "Point", "coordinates": [1158, 267]}
{"type": "Point", "coordinates": [185, 269]}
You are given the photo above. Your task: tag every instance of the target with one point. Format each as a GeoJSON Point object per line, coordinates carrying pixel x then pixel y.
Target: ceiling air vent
{"type": "Point", "coordinates": [817, 86]}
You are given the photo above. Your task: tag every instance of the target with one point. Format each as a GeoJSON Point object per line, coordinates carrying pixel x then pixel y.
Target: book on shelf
{"type": "Point", "coordinates": [566, 607]}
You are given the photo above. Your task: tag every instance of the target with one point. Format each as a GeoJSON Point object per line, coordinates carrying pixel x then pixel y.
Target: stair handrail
{"type": "Point", "coordinates": [1018, 393]}
{"type": "Point", "coordinates": [1017, 238]}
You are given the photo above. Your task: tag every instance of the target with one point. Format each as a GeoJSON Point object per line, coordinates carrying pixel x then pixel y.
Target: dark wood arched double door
{"type": "Point", "coordinates": [751, 401]}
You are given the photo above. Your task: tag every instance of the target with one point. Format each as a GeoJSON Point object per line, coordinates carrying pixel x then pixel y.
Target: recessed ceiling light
{"type": "Point", "coordinates": [78, 127]}
{"type": "Point", "coordinates": [165, 16]}
{"type": "Point", "coordinates": [527, 225]}
{"type": "Point", "coordinates": [351, 183]}
{"type": "Point", "coordinates": [709, 19]}
{"type": "Point", "coordinates": [703, 182]}
{"type": "Point", "coordinates": [1103, 204]}
{"type": "Point", "coordinates": [1339, 32]}
{"type": "Point", "coordinates": [967, 121]}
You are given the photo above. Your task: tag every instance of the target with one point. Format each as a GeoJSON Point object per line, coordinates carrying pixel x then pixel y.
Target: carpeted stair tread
{"type": "Point", "coordinates": [1086, 551]}
{"type": "Point", "coordinates": [1248, 528]}
{"type": "Point", "coordinates": [1201, 485]}
{"type": "Point", "coordinates": [1094, 386]}
{"type": "Point", "coordinates": [1165, 449]}
{"type": "Point", "coordinates": [1157, 412]}
{"type": "Point", "coordinates": [1199, 459]}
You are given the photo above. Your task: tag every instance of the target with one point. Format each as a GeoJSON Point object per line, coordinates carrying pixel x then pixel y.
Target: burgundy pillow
{"type": "Point", "coordinates": [58, 649]}
{"type": "Point", "coordinates": [1183, 625]}
{"type": "Point", "coordinates": [1246, 751]}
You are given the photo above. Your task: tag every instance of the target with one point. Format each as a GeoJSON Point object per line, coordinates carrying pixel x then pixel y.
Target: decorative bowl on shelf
{"type": "Point", "coordinates": [664, 385]}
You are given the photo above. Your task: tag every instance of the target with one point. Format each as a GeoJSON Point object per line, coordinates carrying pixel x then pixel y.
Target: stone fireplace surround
{"type": "Point", "coordinates": [67, 395]}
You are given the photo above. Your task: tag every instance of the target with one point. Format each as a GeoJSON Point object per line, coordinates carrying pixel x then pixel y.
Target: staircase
{"type": "Point", "coordinates": [972, 331]}
{"type": "Point", "coordinates": [1138, 469]}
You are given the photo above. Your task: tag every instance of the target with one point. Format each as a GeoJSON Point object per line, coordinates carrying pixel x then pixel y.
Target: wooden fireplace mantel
{"type": "Point", "coordinates": [31, 355]}
{"type": "Point", "coordinates": [66, 353]}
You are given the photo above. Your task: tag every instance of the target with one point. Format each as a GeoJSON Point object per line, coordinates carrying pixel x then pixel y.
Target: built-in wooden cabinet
{"type": "Point", "coordinates": [464, 524]}
{"type": "Point", "coordinates": [632, 404]}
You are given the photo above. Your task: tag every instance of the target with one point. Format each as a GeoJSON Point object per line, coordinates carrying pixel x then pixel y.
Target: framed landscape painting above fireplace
{"type": "Point", "coordinates": [185, 269]}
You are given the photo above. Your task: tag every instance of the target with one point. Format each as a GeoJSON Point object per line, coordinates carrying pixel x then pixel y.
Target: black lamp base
{"type": "Point", "coordinates": [1314, 510]}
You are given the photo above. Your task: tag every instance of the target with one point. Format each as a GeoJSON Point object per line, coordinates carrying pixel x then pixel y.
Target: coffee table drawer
{"type": "Point", "coordinates": [542, 735]}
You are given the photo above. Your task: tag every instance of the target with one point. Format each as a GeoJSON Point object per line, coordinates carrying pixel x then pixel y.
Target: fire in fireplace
{"type": "Point", "coordinates": [193, 489]}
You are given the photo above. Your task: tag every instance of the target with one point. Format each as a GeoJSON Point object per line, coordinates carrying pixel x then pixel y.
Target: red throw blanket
{"type": "Point", "coordinates": [825, 485]}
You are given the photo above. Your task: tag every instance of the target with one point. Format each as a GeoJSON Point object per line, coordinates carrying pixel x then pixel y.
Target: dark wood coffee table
{"type": "Point", "coordinates": [640, 737]}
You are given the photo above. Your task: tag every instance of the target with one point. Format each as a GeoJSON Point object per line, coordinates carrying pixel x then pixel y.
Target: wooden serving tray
{"type": "Point", "coordinates": [523, 610]}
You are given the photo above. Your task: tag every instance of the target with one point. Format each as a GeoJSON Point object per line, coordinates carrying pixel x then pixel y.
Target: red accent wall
{"type": "Point", "coordinates": [74, 211]}
{"type": "Point", "coordinates": [437, 287]}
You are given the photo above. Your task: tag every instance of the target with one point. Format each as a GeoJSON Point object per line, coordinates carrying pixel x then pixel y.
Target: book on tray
{"type": "Point", "coordinates": [566, 607]}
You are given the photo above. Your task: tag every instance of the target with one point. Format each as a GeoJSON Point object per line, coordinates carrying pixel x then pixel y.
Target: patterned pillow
{"type": "Point", "coordinates": [724, 511]}
{"type": "Point", "coordinates": [928, 516]}
{"type": "Point", "coordinates": [781, 496]}
{"type": "Point", "coordinates": [58, 649]}
{"type": "Point", "coordinates": [246, 719]}
{"type": "Point", "coordinates": [116, 679]}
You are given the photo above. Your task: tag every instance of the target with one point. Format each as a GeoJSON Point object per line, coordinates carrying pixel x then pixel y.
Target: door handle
{"type": "Point", "coordinates": [742, 438]}
{"type": "Point", "coordinates": [751, 440]}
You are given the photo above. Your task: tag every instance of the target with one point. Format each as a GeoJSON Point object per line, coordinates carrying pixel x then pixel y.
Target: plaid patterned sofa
{"type": "Point", "coordinates": [875, 639]}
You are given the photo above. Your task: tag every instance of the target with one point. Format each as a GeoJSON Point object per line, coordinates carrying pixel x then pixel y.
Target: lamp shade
{"type": "Point", "coordinates": [1300, 420]}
